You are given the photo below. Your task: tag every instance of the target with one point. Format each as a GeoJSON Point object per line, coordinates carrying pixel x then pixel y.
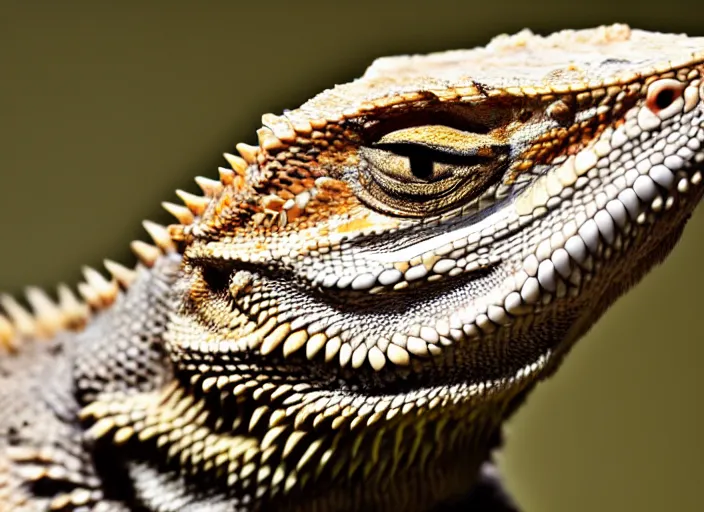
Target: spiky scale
{"type": "Point", "coordinates": [315, 344]}
{"type": "Point", "coordinates": [181, 213]}
{"type": "Point", "coordinates": [160, 235]}
{"type": "Point", "coordinates": [238, 164]}
{"type": "Point", "coordinates": [211, 188]}
{"type": "Point", "coordinates": [101, 289]}
{"type": "Point", "coordinates": [146, 253]}
{"type": "Point", "coordinates": [268, 141]}
{"type": "Point", "coordinates": [47, 315]}
{"type": "Point", "coordinates": [7, 333]}
{"type": "Point", "coordinates": [197, 204]}
{"type": "Point", "coordinates": [273, 340]}
{"type": "Point", "coordinates": [123, 275]}
{"type": "Point", "coordinates": [271, 435]}
{"type": "Point", "coordinates": [293, 440]}
{"type": "Point", "coordinates": [249, 153]}
{"type": "Point", "coordinates": [257, 415]}
{"type": "Point", "coordinates": [22, 320]}
{"type": "Point", "coordinates": [294, 342]}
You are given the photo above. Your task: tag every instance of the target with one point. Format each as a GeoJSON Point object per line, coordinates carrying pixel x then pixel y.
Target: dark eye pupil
{"type": "Point", "coordinates": [421, 167]}
{"type": "Point", "coordinates": [664, 98]}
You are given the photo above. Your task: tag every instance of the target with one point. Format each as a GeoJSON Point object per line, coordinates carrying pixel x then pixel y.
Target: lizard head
{"type": "Point", "coordinates": [439, 231]}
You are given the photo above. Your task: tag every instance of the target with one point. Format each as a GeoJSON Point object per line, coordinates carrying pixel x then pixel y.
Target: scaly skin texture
{"type": "Point", "coordinates": [347, 316]}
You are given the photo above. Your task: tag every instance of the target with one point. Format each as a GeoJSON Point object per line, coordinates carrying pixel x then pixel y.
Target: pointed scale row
{"type": "Point", "coordinates": [46, 316]}
{"type": "Point", "coordinates": [195, 205]}
{"type": "Point", "coordinates": [286, 428]}
{"type": "Point", "coordinates": [275, 135]}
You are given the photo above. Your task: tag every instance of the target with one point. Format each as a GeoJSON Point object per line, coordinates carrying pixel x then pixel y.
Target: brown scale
{"type": "Point", "coordinates": [570, 140]}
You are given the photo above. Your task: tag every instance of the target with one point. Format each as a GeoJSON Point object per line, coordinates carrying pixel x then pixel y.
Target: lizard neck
{"type": "Point", "coordinates": [413, 468]}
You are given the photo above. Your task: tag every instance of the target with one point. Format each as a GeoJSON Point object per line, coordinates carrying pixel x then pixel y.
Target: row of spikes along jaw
{"type": "Point", "coordinates": [252, 414]}
{"type": "Point", "coordinates": [71, 311]}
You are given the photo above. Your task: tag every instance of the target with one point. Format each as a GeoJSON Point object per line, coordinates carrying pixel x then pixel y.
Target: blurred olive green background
{"type": "Point", "coordinates": [106, 109]}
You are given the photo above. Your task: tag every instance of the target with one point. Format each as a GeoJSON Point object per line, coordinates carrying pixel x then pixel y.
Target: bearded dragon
{"type": "Point", "coordinates": [350, 312]}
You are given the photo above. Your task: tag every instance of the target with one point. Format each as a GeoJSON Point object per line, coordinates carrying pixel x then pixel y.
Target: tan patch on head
{"type": "Point", "coordinates": [354, 225]}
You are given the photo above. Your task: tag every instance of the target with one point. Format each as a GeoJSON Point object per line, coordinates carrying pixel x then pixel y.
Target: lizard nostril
{"type": "Point", "coordinates": [664, 98]}
{"type": "Point", "coordinates": [662, 94]}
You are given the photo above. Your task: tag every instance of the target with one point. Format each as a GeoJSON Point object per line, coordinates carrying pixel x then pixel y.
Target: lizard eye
{"type": "Point", "coordinates": [664, 97]}
{"type": "Point", "coordinates": [428, 168]}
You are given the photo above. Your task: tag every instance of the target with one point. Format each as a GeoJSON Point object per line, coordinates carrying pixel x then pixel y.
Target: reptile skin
{"type": "Point", "coordinates": [348, 315]}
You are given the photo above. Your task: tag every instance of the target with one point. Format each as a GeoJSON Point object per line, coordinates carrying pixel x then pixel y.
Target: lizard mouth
{"type": "Point", "coordinates": [251, 292]}
{"type": "Point", "coordinates": [268, 317]}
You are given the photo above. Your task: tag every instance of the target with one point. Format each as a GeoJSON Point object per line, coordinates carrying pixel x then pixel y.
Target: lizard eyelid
{"type": "Point", "coordinates": [429, 154]}
{"type": "Point", "coordinates": [443, 140]}
{"type": "Point", "coordinates": [429, 168]}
